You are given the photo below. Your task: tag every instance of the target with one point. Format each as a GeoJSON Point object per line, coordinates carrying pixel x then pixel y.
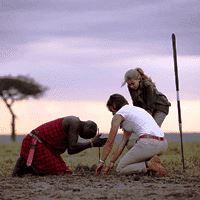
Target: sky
{"type": "Point", "coordinates": [81, 49]}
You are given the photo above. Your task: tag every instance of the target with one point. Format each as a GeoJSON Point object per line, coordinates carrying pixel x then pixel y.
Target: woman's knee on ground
{"type": "Point", "coordinates": [120, 167]}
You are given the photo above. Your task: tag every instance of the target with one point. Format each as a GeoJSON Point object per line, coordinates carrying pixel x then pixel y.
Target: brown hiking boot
{"type": "Point", "coordinates": [155, 159]}
{"type": "Point", "coordinates": [154, 165]}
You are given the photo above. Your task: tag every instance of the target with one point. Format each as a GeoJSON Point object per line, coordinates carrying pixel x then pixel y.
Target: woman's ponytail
{"type": "Point", "coordinates": [143, 75]}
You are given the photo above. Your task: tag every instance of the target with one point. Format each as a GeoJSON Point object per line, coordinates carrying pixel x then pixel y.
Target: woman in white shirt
{"type": "Point", "coordinates": [142, 157]}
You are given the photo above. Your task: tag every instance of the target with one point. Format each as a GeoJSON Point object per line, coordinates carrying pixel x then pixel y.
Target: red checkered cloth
{"type": "Point", "coordinates": [44, 161]}
{"type": "Point", "coordinates": [52, 133]}
{"type": "Point", "coordinates": [47, 159]}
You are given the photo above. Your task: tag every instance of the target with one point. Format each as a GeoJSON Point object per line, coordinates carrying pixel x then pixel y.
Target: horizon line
{"type": "Point", "coordinates": [191, 132]}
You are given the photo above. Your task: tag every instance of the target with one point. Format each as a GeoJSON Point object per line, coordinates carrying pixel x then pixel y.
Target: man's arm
{"type": "Point", "coordinates": [76, 147]}
{"type": "Point", "coordinates": [73, 133]}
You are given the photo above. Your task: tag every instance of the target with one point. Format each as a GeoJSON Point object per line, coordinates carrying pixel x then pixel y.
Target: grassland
{"type": "Point", "coordinates": [177, 185]}
{"type": "Point", "coordinates": [172, 159]}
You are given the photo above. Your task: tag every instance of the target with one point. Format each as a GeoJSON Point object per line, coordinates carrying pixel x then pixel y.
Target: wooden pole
{"type": "Point", "coordinates": [99, 147]}
{"type": "Point", "coordinates": [178, 97]}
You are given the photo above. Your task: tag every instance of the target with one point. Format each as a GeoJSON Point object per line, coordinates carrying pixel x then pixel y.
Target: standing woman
{"type": "Point", "coordinates": [144, 94]}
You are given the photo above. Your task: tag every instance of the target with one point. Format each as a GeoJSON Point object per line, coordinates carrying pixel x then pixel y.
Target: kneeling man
{"type": "Point", "coordinates": [42, 148]}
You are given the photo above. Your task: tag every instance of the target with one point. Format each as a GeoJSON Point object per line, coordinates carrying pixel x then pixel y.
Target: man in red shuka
{"type": "Point", "coordinates": [42, 148]}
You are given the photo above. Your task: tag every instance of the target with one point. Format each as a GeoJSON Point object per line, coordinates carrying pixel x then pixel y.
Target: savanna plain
{"type": "Point", "coordinates": [83, 184]}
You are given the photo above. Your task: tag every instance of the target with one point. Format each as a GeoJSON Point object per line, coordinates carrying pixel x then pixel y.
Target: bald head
{"type": "Point", "coordinates": [89, 129]}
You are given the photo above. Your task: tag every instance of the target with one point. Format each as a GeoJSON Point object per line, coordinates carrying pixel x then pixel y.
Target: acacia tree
{"type": "Point", "coordinates": [18, 88]}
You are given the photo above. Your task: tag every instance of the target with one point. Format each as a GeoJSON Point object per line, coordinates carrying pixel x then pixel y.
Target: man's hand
{"type": "Point", "coordinates": [99, 168]}
{"type": "Point", "coordinates": [98, 142]}
{"type": "Point", "coordinates": [109, 168]}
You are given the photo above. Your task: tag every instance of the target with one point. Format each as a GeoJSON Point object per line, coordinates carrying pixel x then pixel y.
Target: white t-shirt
{"type": "Point", "coordinates": [139, 121]}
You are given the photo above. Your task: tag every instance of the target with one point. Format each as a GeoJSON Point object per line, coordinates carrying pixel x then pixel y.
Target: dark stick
{"type": "Point", "coordinates": [99, 147]}
{"type": "Point", "coordinates": [177, 92]}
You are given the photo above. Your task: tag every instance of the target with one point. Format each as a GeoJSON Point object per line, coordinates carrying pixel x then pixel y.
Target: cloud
{"type": "Point", "coordinates": [81, 49]}
{"type": "Point", "coordinates": [84, 68]}
{"type": "Point", "coordinates": [130, 22]}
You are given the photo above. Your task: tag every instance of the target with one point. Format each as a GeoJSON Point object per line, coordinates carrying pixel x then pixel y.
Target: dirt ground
{"type": "Point", "coordinates": [84, 185]}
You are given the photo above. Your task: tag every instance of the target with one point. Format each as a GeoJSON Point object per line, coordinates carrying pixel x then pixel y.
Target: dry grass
{"type": "Point", "coordinates": [172, 159]}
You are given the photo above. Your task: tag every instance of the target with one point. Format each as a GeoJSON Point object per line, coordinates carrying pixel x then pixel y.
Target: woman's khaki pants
{"type": "Point", "coordinates": [144, 149]}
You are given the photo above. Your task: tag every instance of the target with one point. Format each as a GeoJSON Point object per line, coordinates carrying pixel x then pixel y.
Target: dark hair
{"type": "Point", "coordinates": [117, 101]}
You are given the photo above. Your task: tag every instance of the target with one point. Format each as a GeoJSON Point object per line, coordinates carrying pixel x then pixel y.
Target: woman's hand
{"type": "Point", "coordinates": [99, 168]}
{"type": "Point", "coordinates": [109, 168]}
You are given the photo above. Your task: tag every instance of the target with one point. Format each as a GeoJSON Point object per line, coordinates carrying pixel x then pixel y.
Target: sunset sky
{"type": "Point", "coordinates": [80, 50]}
